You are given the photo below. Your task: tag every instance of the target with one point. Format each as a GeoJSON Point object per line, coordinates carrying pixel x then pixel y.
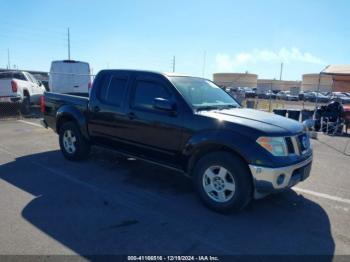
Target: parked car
{"type": "Point", "coordinates": [248, 92]}
{"type": "Point", "coordinates": [69, 76]}
{"type": "Point", "coordinates": [314, 96]}
{"type": "Point", "coordinates": [20, 87]}
{"type": "Point", "coordinates": [281, 95]}
{"type": "Point", "coordinates": [286, 95]}
{"type": "Point", "coordinates": [189, 124]}
{"type": "Point", "coordinates": [291, 97]}
{"type": "Point", "coordinates": [267, 95]}
{"type": "Point", "coordinates": [341, 97]}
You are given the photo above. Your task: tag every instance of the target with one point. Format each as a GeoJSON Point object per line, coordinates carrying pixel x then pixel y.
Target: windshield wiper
{"type": "Point", "coordinates": [216, 107]}
{"type": "Point", "coordinates": [227, 107]}
{"type": "Point", "coordinates": [204, 108]}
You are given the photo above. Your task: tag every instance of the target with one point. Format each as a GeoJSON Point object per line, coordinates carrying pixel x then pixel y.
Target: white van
{"type": "Point", "coordinates": [69, 76]}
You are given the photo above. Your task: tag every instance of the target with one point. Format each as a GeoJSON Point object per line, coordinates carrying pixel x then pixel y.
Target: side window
{"type": "Point", "coordinates": [113, 89]}
{"type": "Point", "coordinates": [145, 93]}
{"type": "Point", "coordinates": [29, 77]}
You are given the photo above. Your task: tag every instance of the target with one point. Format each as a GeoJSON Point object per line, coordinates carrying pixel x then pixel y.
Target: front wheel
{"type": "Point", "coordinates": [73, 145]}
{"type": "Point", "coordinates": [223, 182]}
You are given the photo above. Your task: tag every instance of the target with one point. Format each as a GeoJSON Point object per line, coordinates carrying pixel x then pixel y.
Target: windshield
{"type": "Point", "coordinates": [203, 94]}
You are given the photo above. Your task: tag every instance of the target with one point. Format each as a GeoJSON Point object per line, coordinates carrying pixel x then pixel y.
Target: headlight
{"type": "Point", "coordinates": [275, 145]}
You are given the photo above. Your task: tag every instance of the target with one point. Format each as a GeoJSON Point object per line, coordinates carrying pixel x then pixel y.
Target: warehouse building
{"type": "Point", "coordinates": [236, 79]}
{"type": "Point", "coordinates": [251, 80]}
{"type": "Point", "coordinates": [311, 81]}
{"type": "Point", "coordinates": [340, 75]}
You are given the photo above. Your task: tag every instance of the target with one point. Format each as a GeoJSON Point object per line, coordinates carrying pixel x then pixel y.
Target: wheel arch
{"type": "Point", "coordinates": [207, 148]}
{"type": "Point", "coordinates": [26, 93]}
{"type": "Point", "coordinates": [71, 114]}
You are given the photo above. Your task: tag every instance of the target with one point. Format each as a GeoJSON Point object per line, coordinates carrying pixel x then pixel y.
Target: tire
{"type": "Point", "coordinates": [73, 145]}
{"type": "Point", "coordinates": [25, 105]}
{"type": "Point", "coordinates": [238, 196]}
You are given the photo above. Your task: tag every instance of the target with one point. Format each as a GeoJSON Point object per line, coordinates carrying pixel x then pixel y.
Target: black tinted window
{"type": "Point", "coordinates": [6, 75]}
{"type": "Point", "coordinates": [112, 91]}
{"type": "Point", "coordinates": [19, 76]}
{"type": "Point", "coordinates": [146, 92]}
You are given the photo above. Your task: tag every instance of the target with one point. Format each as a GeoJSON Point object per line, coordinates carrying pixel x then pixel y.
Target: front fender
{"type": "Point", "coordinates": [241, 144]}
{"type": "Point", "coordinates": [70, 112]}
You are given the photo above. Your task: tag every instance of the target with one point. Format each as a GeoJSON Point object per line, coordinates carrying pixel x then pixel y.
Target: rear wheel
{"type": "Point", "coordinates": [223, 182]}
{"type": "Point", "coordinates": [73, 145]}
{"type": "Point", "coordinates": [25, 105]}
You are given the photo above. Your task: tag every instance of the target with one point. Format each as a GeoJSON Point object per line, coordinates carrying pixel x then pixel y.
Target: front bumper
{"type": "Point", "coordinates": [269, 180]}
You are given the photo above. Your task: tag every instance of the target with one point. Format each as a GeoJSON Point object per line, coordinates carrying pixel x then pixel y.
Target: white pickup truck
{"type": "Point", "coordinates": [20, 87]}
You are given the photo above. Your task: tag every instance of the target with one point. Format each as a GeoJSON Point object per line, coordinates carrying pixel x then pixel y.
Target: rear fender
{"type": "Point", "coordinates": [70, 113]}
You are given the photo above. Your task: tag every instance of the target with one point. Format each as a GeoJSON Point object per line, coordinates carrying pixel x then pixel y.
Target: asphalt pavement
{"type": "Point", "coordinates": [109, 204]}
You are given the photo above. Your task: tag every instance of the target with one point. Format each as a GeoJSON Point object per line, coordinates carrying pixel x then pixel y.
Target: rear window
{"type": "Point", "coordinates": [113, 90]}
{"type": "Point", "coordinates": [10, 75]}
{"type": "Point", "coordinates": [6, 75]}
{"type": "Point", "coordinates": [19, 76]}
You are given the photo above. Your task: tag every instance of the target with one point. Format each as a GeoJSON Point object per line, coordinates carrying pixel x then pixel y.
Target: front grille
{"type": "Point", "coordinates": [290, 145]}
{"type": "Point", "coordinates": [303, 142]}
{"type": "Point", "coordinates": [298, 144]}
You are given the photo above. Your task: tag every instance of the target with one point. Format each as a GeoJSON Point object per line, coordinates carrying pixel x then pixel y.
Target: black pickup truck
{"type": "Point", "coordinates": [232, 154]}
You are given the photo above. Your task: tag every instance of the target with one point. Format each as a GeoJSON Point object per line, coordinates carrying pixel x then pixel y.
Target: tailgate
{"type": "Point", "coordinates": [5, 88]}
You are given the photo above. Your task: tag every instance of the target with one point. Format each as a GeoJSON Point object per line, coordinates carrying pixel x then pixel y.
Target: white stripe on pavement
{"type": "Point", "coordinates": [322, 195]}
{"type": "Point", "coordinates": [29, 123]}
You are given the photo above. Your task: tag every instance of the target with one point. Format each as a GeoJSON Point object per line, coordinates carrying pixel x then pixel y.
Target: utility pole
{"type": "Point", "coordinates": [204, 63]}
{"type": "Point", "coordinates": [174, 61]}
{"type": "Point", "coordinates": [281, 71]}
{"type": "Point", "coordinates": [8, 59]}
{"type": "Point", "coordinates": [68, 44]}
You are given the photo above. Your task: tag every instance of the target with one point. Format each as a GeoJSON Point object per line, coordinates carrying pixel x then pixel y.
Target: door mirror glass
{"type": "Point", "coordinates": [163, 104]}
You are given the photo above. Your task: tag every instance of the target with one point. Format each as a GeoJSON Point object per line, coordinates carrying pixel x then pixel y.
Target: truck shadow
{"type": "Point", "coordinates": [94, 209]}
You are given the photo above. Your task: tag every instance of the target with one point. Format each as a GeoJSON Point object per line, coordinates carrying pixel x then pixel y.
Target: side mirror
{"type": "Point", "coordinates": [164, 105]}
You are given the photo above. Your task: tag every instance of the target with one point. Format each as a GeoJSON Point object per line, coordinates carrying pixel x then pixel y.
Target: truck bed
{"type": "Point", "coordinates": [55, 101]}
{"type": "Point", "coordinates": [5, 88]}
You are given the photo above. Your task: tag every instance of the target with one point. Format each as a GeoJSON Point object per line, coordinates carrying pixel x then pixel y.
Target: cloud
{"type": "Point", "coordinates": [225, 62]}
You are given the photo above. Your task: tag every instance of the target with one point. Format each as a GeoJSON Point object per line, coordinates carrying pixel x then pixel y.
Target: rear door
{"type": "Point", "coordinates": [69, 77]}
{"type": "Point", "coordinates": [81, 77]}
{"type": "Point", "coordinates": [107, 112]}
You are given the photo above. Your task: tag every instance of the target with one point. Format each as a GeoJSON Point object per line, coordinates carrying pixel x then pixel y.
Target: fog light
{"type": "Point", "coordinates": [280, 179]}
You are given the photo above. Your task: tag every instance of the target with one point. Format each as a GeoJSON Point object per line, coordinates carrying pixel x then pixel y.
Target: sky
{"type": "Point", "coordinates": [205, 37]}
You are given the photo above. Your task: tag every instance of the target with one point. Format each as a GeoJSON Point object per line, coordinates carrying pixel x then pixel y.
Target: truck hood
{"type": "Point", "coordinates": [263, 121]}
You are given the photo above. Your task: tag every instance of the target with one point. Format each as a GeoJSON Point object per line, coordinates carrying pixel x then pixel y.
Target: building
{"type": "Point", "coordinates": [340, 75]}
{"type": "Point", "coordinates": [311, 81]}
{"type": "Point", "coordinates": [281, 85]}
{"type": "Point", "coordinates": [236, 79]}
{"type": "Point", "coordinates": [251, 80]}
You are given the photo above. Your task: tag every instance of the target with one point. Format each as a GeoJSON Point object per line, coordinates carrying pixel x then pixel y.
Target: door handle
{"type": "Point", "coordinates": [131, 115]}
{"type": "Point", "coordinates": [96, 109]}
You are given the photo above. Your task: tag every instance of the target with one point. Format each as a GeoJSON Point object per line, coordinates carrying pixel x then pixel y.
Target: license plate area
{"type": "Point", "coordinates": [5, 99]}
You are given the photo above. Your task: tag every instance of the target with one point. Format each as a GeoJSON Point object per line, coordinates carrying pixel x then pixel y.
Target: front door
{"type": "Point", "coordinates": [155, 133]}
